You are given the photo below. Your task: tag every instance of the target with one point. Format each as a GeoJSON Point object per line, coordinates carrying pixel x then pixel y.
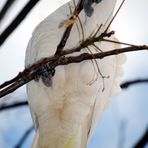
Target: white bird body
{"type": "Point", "coordinates": [66, 113]}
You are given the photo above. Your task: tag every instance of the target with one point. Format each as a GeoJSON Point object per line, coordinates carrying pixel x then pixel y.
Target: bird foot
{"type": "Point", "coordinates": [46, 72]}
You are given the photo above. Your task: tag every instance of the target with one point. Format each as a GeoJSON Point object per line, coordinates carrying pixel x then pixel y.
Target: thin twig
{"type": "Point", "coordinates": [29, 73]}
{"type": "Point", "coordinates": [114, 16]}
{"type": "Point", "coordinates": [88, 42]}
{"type": "Point", "coordinates": [66, 34]}
{"type": "Point", "coordinates": [118, 42]}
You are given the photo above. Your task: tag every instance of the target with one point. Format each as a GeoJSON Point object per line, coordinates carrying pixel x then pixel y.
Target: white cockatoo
{"type": "Point", "coordinates": [66, 112]}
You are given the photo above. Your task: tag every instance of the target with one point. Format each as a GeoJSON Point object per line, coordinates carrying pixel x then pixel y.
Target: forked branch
{"type": "Point", "coordinates": [29, 73]}
{"type": "Point", "coordinates": [62, 57]}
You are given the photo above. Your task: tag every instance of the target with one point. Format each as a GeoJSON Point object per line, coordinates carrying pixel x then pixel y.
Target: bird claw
{"type": "Point", "coordinates": [88, 6]}
{"type": "Point", "coordinates": [46, 72]}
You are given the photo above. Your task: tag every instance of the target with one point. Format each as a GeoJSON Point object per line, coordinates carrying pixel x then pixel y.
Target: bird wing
{"type": "Point", "coordinates": [111, 84]}
{"type": "Point", "coordinates": [75, 101]}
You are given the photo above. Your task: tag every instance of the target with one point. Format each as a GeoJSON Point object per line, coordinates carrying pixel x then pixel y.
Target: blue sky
{"type": "Point", "coordinates": [129, 107]}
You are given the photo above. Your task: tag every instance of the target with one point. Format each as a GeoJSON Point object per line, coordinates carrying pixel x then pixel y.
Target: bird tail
{"type": "Point", "coordinates": [79, 140]}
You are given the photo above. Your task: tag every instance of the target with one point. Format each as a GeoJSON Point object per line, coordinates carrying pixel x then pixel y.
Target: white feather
{"type": "Point", "coordinates": [72, 104]}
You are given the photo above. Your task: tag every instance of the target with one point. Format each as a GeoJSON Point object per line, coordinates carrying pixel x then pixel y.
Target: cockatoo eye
{"type": "Point", "coordinates": [88, 6]}
{"type": "Point", "coordinates": [46, 72]}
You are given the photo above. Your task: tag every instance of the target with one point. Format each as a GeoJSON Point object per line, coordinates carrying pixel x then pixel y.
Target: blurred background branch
{"type": "Point", "coordinates": [143, 141]}
{"type": "Point", "coordinates": [140, 144]}
{"type": "Point", "coordinates": [127, 84]}
{"type": "Point", "coordinates": [123, 85]}
{"type": "Point", "coordinates": [5, 106]}
{"type": "Point", "coordinates": [18, 19]}
{"type": "Point", "coordinates": [5, 8]}
{"type": "Point", "coordinates": [24, 137]}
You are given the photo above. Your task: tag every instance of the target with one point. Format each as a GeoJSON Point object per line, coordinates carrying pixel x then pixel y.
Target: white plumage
{"type": "Point", "coordinates": [66, 113]}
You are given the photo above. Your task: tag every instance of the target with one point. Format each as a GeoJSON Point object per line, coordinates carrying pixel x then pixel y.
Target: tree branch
{"type": "Point", "coordinates": [19, 18]}
{"type": "Point", "coordinates": [24, 137]}
{"type": "Point", "coordinates": [127, 84]}
{"type": "Point", "coordinates": [5, 8]}
{"type": "Point", "coordinates": [60, 59]}
{"type": "Point", "coordinates": [29, 73]}
{"type": "Point", "coordinates": [13, 105]}
{"type": "Point", "coordinates": [124, 85]}
{"type": "Point", "coordinates": [66, 34]}
{"type": "Point", "coordinates": [143, 140]}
